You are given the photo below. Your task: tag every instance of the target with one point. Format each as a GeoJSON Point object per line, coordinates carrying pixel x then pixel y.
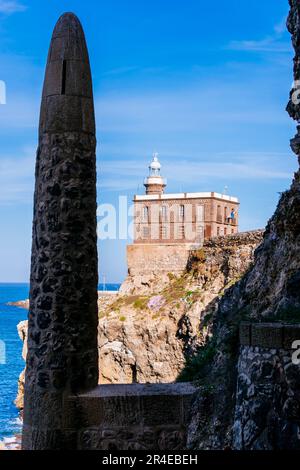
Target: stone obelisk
{"type": "Point", "coordinates": [62, 339]}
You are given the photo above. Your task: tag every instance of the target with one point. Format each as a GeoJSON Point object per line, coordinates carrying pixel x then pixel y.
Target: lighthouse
{"type": "Point", "coordinates": [155, 183]}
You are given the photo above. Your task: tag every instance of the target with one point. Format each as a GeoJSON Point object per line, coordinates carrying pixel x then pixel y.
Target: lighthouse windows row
{"type": "Point", "coordinates": [165, 212]}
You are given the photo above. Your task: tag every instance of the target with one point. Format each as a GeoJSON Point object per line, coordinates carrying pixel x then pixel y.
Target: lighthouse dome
{"type": "Point", "coordinates": [155, 165]}
{"type": "Point", "coordinates": [155, 183]}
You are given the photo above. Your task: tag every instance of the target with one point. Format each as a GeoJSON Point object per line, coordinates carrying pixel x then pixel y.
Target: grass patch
{"type": "Point", "coordinates": [141, 303]}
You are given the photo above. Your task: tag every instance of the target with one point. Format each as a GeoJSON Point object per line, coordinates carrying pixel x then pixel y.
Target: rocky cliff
{"type": "Point", "coordinates": [270, 291]}
{"type": "Point", "coordinates": [152, 337]}
{"type": "Point", "coordinates": [249, 396]}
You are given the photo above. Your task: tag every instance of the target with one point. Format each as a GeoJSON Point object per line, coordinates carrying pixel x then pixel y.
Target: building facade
{"type": "Point", "coordinates": [187, 218]}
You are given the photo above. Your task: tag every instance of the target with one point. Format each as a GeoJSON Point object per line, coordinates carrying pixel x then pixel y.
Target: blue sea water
{"type": "Point", "coordinates": [9, 371]}
{"type": "Point", "coordinates": [14, 364]}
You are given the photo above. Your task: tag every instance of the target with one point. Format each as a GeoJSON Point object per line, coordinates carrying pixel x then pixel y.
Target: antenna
{"type": "Point", "coordinates": [225, 192]}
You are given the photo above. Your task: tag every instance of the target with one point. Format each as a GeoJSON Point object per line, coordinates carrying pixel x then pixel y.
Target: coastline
{"type": "Point", "coordinates": [11, 443]}
{"type": "Point", "coordinates": [20, 303]}
{"type": "Point", "coordinates": [25, 303]}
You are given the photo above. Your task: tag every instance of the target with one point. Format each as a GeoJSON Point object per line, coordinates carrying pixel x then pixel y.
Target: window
{"type": "Point", "coordinates": [199, 233]}
{"type": "Point", "coordinates": [200, 214]}
{"type": "Point", "coordinates": [225, 214]}
{"type": "Point", "coordinates": [218, 231]}
{"type": "Point", "coordinates": [181, 211]}
{"type": "Point", "coordinates": [164, 232]}
{"type": "Point", "coordinates": [145, 214]}
{"type": "Point", "coordinates": [233, 216]}
{"type": "Point", "coordinates": [219, 214]}
{"type": "Point", "coordinates": [146, 232]}
{"type": "Point", "coordinates": [181, 231]}
{"type": "Point", "coordinates": [164, 212]}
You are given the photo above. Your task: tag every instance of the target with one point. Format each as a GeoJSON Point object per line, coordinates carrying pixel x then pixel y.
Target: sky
{"type": "Point", "coordinates": [205, 84]}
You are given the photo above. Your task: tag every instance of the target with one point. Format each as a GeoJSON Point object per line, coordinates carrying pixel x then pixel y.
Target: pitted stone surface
{"type": "Point", "coordinates": [62, 336]}
{"type": "Point", "coordinates": [267, 412]}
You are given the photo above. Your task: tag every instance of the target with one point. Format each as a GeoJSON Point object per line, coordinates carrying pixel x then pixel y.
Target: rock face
{"type": "Point", "coordinates": [150, 337]}
{"type": "Point", "coordinates": [62, 322]}
{"type": "Point", "coordinates": [223, 416]}
{"type": "Point", "coordinates": [20, 304]}
{"type": "Point", "coordinates": [22, 331]}
{"type": "Point", "coordinates": [268, 292]}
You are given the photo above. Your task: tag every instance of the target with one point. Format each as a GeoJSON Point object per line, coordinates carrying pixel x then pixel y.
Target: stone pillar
{"type": "Point", "coordinates": [62, 341]}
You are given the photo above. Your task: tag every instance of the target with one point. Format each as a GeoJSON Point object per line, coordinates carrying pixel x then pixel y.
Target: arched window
{"type": "Point", "coordinates": [164, 213]}
{"type": "Point", "coordinates": [145, 214]}
{"type": "Point", "coordinates": [225, 214]}
{"type": "Point", "coordinates": [219, 214]}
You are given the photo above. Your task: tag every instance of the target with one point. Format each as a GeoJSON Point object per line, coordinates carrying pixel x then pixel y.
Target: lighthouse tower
{"type": "Point", "coordinates": [155, 183]}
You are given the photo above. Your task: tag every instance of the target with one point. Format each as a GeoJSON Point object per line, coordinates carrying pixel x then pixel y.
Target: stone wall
{"type": "Point", "coordinates": [132, 417]}
{"type": "Point", "coordinates": [149, 264]}
{"type": "Point", "coordinates": [267, 413]}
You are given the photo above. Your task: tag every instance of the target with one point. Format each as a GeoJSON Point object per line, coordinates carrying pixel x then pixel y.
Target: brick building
{"type": "Point", "coordinates": [183, 217]}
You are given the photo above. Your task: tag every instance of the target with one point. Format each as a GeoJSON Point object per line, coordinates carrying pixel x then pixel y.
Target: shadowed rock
{"type": "Point", "coordinates": [62, 338]}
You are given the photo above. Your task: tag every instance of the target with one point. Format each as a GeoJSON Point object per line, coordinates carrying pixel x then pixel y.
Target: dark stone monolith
{"type": "Point", "coordinates": [62, 341]}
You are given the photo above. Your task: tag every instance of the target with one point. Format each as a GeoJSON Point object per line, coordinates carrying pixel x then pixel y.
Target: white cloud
{"type": "Point", "coordinates": [264, 45]}
{"type": "Point", "coordinates": [273, 43]}
{"type": "Point", "coordinates": [8, 7]}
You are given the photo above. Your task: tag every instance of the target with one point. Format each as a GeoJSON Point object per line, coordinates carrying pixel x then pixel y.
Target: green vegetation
{"type": "Point", "coordinates": [176, 290]}
{"type": "Point", "coordinates": [141, 303]}
{"type": "Point", "coordinates": [200, 255]}
{"type": "Point", "coordinates": [122, 318]}
{"type": "Point", "coordinates": [155, 317]}
{"type": "Point", "coordinates": [196, 368]}
{"type": "Point", "coordinates": [171, 276]}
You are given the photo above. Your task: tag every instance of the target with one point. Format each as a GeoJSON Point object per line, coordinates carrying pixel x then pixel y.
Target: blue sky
{"type": "Point", "coordinates": [203, 83]}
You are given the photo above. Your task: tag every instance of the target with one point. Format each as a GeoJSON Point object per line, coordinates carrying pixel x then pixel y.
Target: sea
{"type": "Point", "coordinates": [11, 362]}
